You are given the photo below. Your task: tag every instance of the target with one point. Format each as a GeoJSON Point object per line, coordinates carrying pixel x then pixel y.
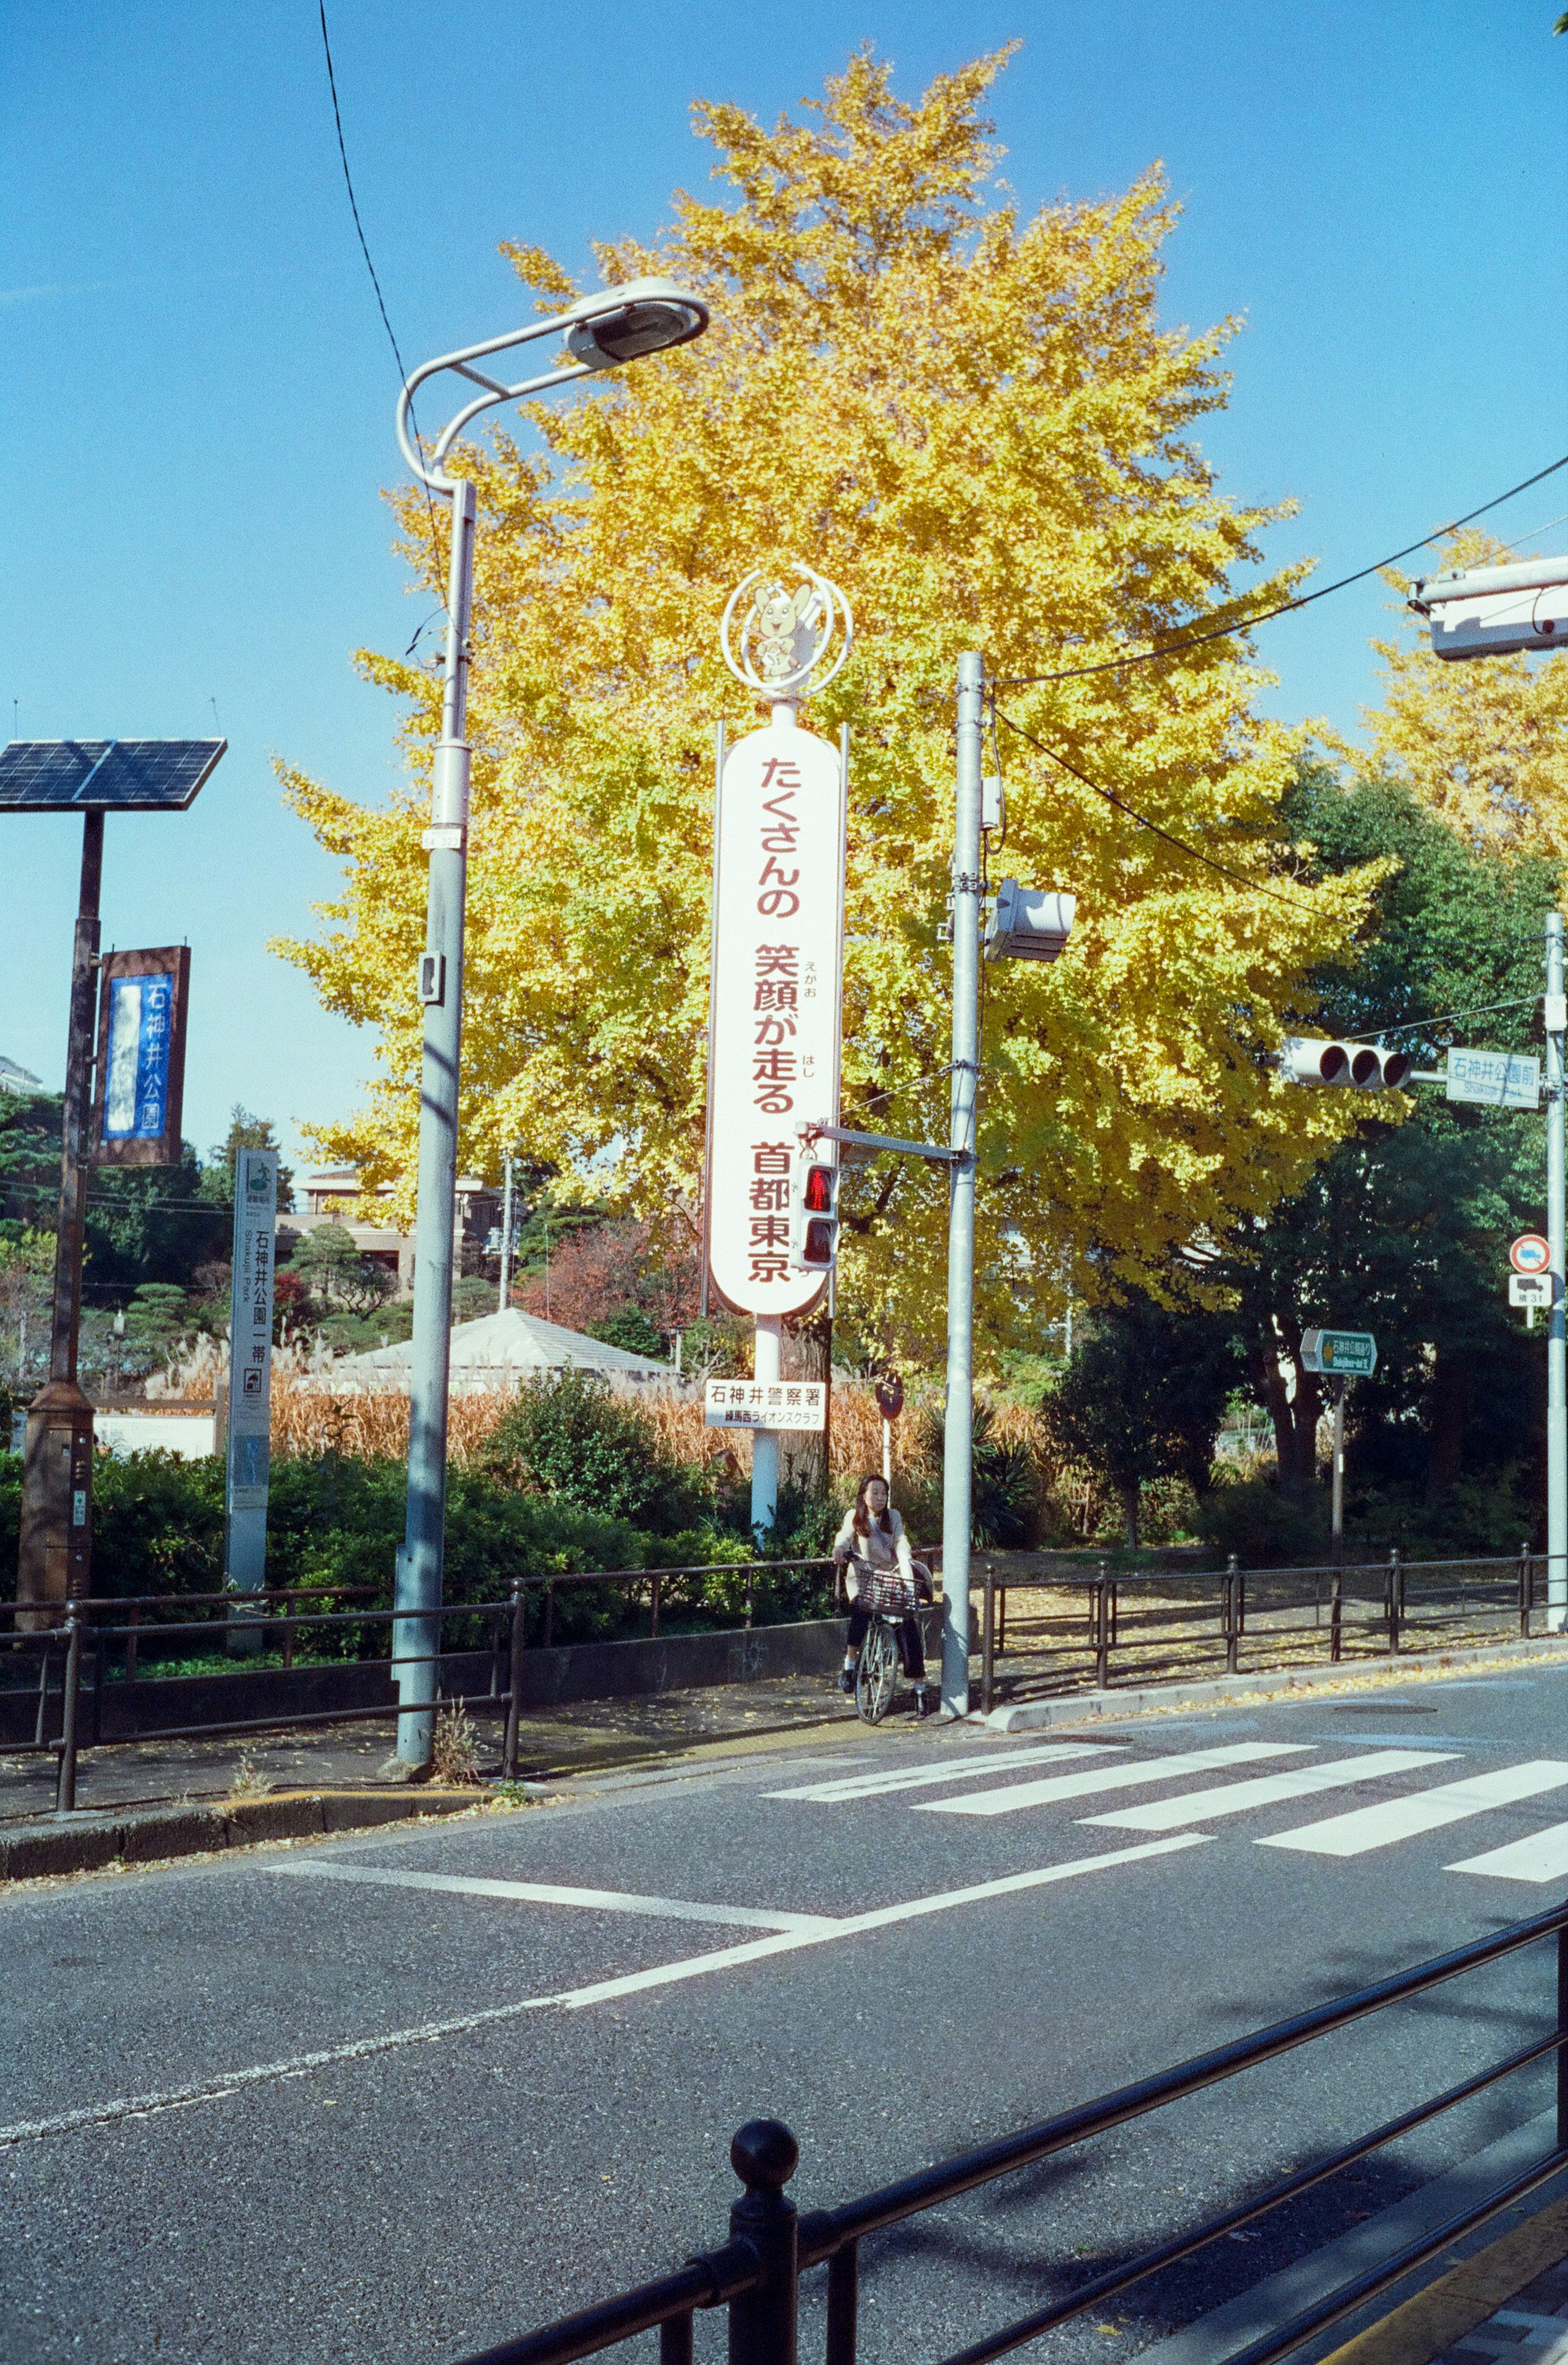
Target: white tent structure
{"type": "Point", "coordinates": [501, 1350]}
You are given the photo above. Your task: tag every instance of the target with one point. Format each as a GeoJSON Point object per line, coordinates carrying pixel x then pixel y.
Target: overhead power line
{"type": "Point", "coordinates": [381, 300]}
{"type": "Point", "coordinates": [1423, 1025]}
{"type": "Point", "coordinates": [1285, 607]}
{"type": "Point", "coordinates": [1254, 886]}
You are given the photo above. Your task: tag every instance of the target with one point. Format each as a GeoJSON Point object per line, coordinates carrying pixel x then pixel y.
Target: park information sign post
{"type": "Point", "coordinates": [777, 984]}
{"type": "Point", "coordinates": [250, 1377]}
{"type": "Point", "coordinates": [1341, 1355]}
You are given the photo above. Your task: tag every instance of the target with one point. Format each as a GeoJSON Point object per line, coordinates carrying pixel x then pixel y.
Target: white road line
{"type": "Point", "coordinates": [216, 2088]}
{"type": "Point", "coordinates": [1015, 1795]}
{"type": "Point", "coordinates": [1427, 1810]}
{"type": "Point", "coordinates": [872, 1786]}
{"type": "Point", "coordinates": [1544, 1855]}
{"type": "Point", "coordinates": [1238, 1797]}
{"type": "Point", "coordinates": [539, 1892]}
{"type": "Point", "coordinates": [882, 1917]}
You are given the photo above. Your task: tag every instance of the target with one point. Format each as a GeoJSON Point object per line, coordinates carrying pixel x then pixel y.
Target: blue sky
{"type": "Point", "coordinates": [197, 389]}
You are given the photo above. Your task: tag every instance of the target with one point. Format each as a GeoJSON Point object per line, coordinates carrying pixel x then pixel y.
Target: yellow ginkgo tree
{"type": "Point", "coordinates": [980, 428]}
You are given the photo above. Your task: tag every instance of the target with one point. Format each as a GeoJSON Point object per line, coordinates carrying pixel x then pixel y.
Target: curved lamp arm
{"type": "Point", "coordinates": [657, 314]}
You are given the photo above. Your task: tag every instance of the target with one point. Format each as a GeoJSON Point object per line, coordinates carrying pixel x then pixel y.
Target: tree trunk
{"type": "Point", "coordinates": [807, 1355]}
{"type": "Point", "coordinates": [1131, 1493]}
{"type": "Point", "coordinates": [1295, 1422]}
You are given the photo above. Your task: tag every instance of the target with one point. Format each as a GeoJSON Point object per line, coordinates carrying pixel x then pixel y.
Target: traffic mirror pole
{"type": "Point", "coordinates": [1556, 1228]}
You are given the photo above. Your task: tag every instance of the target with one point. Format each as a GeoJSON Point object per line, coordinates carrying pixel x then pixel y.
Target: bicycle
{"type": "Point", "coordinates": [881, 1652]}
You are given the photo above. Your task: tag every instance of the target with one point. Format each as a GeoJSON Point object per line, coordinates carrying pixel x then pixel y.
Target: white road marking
{"type": "Point", "coordinates": [1544, 1855]}
{"type": "Point", "coordinates": [881, 1918]}
{"type": "Point", "coordinates": [1238, 1797]}
{"type": "Point", "coordinates": [1427, 1810]}
{"type": "Point", "coordinates": [217, 2089]}
{"type": "Point", "coordinates": [872, 1786]}
{"type": "Point", "coordinates": [539, 1892]}
{"type": "Point", "coordinates": [1015, 1795]}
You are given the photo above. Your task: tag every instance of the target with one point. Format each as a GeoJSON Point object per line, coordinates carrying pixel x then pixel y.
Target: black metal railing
{"type": "Point", "coordinates": [1141, 1627]}
{"type": "Point", "coordinates": [104, 1628]}
{"type": "Point", "coordinates": [756, 2274]}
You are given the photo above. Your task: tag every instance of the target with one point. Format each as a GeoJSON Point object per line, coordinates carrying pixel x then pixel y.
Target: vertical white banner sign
{"type": "Point", "coordinates": [777, 993]}
{"type": "Point", "coordinates": [249, 1370]}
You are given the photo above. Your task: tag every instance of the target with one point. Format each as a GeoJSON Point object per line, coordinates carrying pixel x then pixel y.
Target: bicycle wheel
{"type": "Point", "coordinates": [878, 1673]}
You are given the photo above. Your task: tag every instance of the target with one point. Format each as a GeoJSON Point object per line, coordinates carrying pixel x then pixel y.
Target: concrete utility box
{"type": "Point", "coordinates": [54, 1563]}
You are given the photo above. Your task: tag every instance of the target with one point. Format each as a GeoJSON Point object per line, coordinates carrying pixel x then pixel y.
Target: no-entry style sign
{"type": "Point", "coordinates": [1530, 1254]}
{"type": "Point", "coordinates": [776, 988]}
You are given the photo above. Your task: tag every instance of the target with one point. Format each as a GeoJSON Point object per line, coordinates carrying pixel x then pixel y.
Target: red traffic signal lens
{"type": "Point", "coordinates": [819, 1190]}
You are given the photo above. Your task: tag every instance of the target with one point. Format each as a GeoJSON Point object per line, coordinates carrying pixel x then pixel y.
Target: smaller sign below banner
{"type": "Point", "coordinates": [1341, 1355]}
{"type": "Point", "coordinates": [1493, 1079]}
{"type": "Point", "coordinates": [767, 1404]}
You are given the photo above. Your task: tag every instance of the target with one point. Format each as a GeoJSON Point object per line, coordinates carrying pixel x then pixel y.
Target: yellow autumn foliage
{"type": "Point", "coordinates": [1483, 741]}
{"type": "Point", "coordinates": [979, 426]}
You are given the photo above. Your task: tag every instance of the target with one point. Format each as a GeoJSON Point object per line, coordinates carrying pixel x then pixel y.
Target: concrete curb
{"type": "Point", "coordinates": [1080, 1708]}
{"type": "Point", "coordinates": [87, 1842]}
{"type": "Point", "coordinates": [1464, 2299]}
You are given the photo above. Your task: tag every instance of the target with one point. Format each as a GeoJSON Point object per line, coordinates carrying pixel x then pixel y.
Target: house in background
{"type": "Point", "coordinates": [20, 1080]}
{"type": "Point", "coordinates": [324, 1198]}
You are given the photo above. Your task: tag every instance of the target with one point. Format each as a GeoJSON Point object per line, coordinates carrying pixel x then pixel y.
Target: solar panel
{"type": "Point", "coordinates": [105, 775]}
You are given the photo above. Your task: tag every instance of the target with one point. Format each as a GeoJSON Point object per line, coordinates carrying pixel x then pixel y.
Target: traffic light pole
{"type": "Point", "coordinates": [1556, 1228]}
{"type": "Point", "coordinates": [958, 1429]}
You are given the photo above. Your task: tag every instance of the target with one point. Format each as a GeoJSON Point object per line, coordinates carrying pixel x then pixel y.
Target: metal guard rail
{"type": "Point", "coordinates": [757, 2273]}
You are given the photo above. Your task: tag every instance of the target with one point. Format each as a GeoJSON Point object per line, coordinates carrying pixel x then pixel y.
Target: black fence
{"type": "Point", "coordinates": [79, 1655]}
{"type": "Point", "coordinates": [756, 2274]}
{"type": "Point", "coordinates": [1145, 1628]}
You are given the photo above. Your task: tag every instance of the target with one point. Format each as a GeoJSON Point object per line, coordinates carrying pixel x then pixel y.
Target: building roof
{"type": "Point", "coordinates": [502, 1348]}
{"type": "Point", "coordinates": [15, 1079]}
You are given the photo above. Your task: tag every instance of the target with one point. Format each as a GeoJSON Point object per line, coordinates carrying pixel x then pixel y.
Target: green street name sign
{"type": "Point", "coordinates": [1344, 1354]}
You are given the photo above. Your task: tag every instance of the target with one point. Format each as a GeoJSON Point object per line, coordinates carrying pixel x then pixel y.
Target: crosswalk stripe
{"type": "Point", "coordinates": [543, 1892]}
{"type": "Point", "coordinates": [1541, 1855]}
{"type": "Point", "coordinates": [1015, 1795]}
{"type": "Point", "coordinates": [972, 1765]}
{"type": "Point", "coordinates": [1427, 1810]}
{"type": "Point", "coordinates": [1236, 1798]}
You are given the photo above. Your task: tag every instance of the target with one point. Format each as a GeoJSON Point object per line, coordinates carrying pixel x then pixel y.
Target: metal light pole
{"type": "Point", "coordinates": [601, 331]}
{"type": "Point", "coordinates": [1556, 1228]}
{"type": "Point", "coordinates": [506, 1241]}
{"type": "Point", "coordinates": [958, 1434]}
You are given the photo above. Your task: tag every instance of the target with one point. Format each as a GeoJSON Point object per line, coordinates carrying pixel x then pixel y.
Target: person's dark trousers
{"type": "Point", "coordinates": [911, 1649]}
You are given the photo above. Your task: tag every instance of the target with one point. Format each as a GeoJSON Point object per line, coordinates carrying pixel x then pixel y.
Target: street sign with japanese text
{"type": "Point", "coordinates": [1532, 1289]}
{"type": "Point", "coordinates": [776, 997]}
{"type": "Point", "coordinates": [250, 1369]}
{"type": "Point", "coordinates": [1493, 1079]}
{"type": "Point", "coordinates": [766, 1404]}
{"type": "Point", "coordinates": [1339, 1355]}
{"type": "Point", "coordinates": [141, 1070]}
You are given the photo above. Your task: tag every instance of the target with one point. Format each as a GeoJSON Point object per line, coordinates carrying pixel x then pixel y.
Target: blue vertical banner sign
{"type": "Point", "coordinates": [250, 1371]}
{"type": "Point", "coordinates": [141, 1058]}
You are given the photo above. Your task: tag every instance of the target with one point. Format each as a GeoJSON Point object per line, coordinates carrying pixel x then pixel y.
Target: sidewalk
{"type": "Point", "coordinates": [1510, 2299]}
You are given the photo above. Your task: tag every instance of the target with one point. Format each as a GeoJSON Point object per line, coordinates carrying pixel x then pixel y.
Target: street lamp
{"type": "Point", "coordinates": [602, 331]}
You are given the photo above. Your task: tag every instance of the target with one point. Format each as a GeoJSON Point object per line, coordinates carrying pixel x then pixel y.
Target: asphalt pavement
{"type": "Point", "coordinates": [401, 2097]}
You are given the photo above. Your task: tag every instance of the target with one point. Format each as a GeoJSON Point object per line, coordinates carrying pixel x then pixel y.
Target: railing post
{"type": "Point", "coordinates": [65, 1787]}
{"type": "Point", "coordinates": [1102, 1631]}
{"type": "Point", "coordinates": [97, 1689]}
{"type": "Point", "coordinates": [289, 1599]}
{"type": "Point", "coordinates": [988, 1640]}
{"type": "Point", "coordinates": [1563, 2034]}
{"type": "Point", "coordinates": [549, 1612]}
{"type": "Point", "coordinates": [842, 2303]}
{"type": "Point", "coordinates": [1232, 1631]}
{"type": "Point", "coordinates": [750, 1606]}
{"type": "Point", "coordinates": [1395, 1603]}
{"type": "Point", "coordinates": [132, 1639]}
{"type": "Point", "coordinates": [1525, 1590]}
{"type": "Point", "coordinates": [653, 1610]}
{"type": "Point", "coordinates": [1336, 1613]}
{"type": "Point", "coordinates": [514, 1681]}
{"type": "Point", "coordinates": [762, 2322]}
{"type": "Point", "coordinates": [41, 1723]}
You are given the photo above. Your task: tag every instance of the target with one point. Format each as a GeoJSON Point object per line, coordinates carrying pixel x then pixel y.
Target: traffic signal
{"type": "Point", "coordinates": [1029, 923]}
{"type": "Point", "coordinates": [1360, 1066]}
{"type": "Point", "coordinates": [813, 1216]}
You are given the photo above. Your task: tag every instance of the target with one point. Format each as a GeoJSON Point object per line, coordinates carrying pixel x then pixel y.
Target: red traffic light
{"type": "Point", "coordinates": [819, 1190]}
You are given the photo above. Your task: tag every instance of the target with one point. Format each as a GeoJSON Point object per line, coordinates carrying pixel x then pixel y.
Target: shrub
{"type": "Point", "coordinates": [1250, 1518]}
{"type": "Point", "coordinates": [569, 1438]}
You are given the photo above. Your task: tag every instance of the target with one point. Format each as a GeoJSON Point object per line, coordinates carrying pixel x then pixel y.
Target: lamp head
{"type": "Point", "coordinates": [650, 316]}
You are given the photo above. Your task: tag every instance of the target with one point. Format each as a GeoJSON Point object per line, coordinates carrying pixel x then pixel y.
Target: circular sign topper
{"type": "Point", "coordinates": [889, 1397]}
{"type": "Point", "coordinates": [1530, 1254]}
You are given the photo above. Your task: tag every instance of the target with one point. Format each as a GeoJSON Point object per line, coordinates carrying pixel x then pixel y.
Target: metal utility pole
{"type": "Point", "coordinates": [506, 1242]}
{"type": "Point", "coordinates": [1556, 1228]}
{"type": "Point", "coordinates": [601, 331]}
{"type": "Point", "coordinates": [958, 1437]}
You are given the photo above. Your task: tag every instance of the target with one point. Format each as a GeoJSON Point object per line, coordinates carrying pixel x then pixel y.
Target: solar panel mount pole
{"type": "Point", "coordinates": [54, 1562]}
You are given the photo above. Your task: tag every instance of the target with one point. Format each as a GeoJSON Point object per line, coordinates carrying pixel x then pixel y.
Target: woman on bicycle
{"type": "Point", "coordinates": [879, 1574]}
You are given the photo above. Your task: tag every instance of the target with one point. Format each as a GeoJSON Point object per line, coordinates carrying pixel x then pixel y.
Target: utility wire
{"type": "Point", "coordinates": [381, 300]}
{"type": "Point", "coordinates": [1286, 607]}
{"type": "Point", "coordinates": [1255, 886]}
{"type": "Point", "coordinates": [897, 1090]}
{"type": "Point", "coordinates": [1422, 1026]}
